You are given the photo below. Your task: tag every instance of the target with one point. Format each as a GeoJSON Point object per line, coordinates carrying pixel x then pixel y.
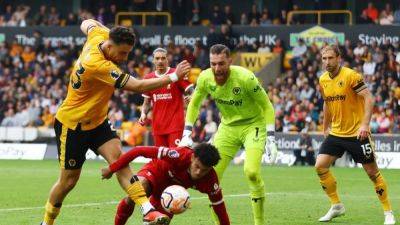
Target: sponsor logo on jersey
{"type": "Point", "coordinates": [213, 87]}
{"type": "Point", "coordinates": [335, 98]}
{"type": "Point", "coordinates": [236, 90]}
{"type": "Point", "coordinates": [229, 102]}
{"type": "Point", "coordinates": [164, 96]}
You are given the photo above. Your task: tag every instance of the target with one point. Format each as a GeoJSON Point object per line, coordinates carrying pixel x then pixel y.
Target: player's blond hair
{"type": "Point", "coordinates": [333, 48]}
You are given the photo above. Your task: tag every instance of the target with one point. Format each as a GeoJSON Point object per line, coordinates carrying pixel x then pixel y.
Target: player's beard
{"type": "Point", "coordinates": [331, 68]}
{"type": "Point", "coordinates": [221, 77]}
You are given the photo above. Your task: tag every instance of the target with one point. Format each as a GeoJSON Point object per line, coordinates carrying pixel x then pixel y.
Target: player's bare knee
{"type": "Point", "coordinates": [68, 183]}
{"type": "Point", "coordinates": [321, 165]}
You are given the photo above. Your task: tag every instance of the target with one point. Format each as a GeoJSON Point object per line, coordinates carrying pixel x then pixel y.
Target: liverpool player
{"type": "Point", "coordinates": [168, 112]}
{"type": "Point", "coordinates": [172, 166]}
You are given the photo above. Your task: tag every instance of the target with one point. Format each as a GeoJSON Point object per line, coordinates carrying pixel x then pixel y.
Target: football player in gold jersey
{"type": "Point", "coordinates": [347, 113]}
{"type": "Point", "coordinates": [81, 121]}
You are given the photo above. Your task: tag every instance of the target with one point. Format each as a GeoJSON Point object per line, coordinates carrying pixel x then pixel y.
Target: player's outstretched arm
{"type": "Point", "coordinates": [125, 159]}
{"type": "Point", "coordinates": [192, 112]}
{"type": "Point", "coordinates": [144, 85]}
{"type": "Point", "coordinates": [88, 24]}
{"type": "Point", "coordinates": [151, 152]}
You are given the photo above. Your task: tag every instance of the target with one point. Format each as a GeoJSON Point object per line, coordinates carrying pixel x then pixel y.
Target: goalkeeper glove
{"type": "Point", "coordinates": [186, 140]}
{"type": "Point", "coordinates": [270, 145]}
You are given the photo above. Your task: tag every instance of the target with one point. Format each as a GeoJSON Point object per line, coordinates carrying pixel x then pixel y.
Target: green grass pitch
{"type": "Point", "coordinates": [294, 196]}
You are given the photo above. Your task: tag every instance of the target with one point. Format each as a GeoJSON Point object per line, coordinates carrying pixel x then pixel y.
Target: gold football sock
{"type": "Point", "coordinates": [328, 183]}
{"type": "Point", "coordinates": [138, 195]}
{"type": "Point", "coordinates": [51, 212]}
{"type": "Point", "coordinates": [381, 190]}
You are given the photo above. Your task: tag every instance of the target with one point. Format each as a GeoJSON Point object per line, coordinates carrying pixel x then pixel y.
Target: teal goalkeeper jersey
{"type": "Point", "coordinates": [241, 100]}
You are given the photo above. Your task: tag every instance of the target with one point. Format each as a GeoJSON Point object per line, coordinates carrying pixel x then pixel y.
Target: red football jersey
{"type": "Point", "coordinates": [168, 105]}
{"type": "Point", "coordinates": [175, 163]}
{"type": "Point", "coordinates": [171, 166]}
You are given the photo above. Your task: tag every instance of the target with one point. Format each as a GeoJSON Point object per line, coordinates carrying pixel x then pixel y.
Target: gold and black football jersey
{"type": "Point", "coordinates": [92, 83]}
{"type": "Point", "coordinates": [344, 104]}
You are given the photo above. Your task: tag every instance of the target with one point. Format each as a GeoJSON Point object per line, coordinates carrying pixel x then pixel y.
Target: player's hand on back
{"type": "Point", "coordinates": [106, 173]}
{"type": "Point", "coordinates": [182, 69]}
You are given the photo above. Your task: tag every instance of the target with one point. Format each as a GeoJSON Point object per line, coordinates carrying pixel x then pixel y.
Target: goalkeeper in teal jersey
{"type": "Point", "coordinates": [248, 119]}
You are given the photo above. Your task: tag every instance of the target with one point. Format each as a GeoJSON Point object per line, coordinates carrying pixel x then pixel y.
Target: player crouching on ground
{"type": "Point", "coordinates": [190, 168]}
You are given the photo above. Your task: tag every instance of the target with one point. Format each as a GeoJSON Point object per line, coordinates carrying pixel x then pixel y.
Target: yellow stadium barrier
{"type": "Point", "coordinates": [319, 13]}
{"type": "Point", "coordinates": [144, 15]}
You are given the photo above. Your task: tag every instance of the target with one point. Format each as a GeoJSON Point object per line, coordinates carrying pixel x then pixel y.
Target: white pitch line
{"type": "Point", "coordinates": [193, 198]}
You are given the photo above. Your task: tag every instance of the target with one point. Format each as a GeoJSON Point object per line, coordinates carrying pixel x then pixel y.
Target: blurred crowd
{"type": "Point", "coordinates": [298, 101]}
{"type": "Point", "coordinates": [33, 82]}
{"type": "Point", "coordinates": [183, 13]}
{"type": "Point", "coordinates": [385, 16]}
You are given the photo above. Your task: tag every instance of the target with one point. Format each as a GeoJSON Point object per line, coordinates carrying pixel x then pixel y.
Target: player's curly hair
{"type": "Point", "coordinates": [122, 35]}
{"type": "Point", "coordinates": [207, 154]}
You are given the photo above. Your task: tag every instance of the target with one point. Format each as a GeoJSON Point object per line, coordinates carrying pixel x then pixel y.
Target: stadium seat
{"type": "Point", "coordinates": [15, 134]}
{"type": "Point", "coordinates": [3, 131]}
{"type": "Point", "coordinates": [30, 134]}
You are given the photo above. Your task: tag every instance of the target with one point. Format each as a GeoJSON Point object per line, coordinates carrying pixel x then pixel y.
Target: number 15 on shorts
{"type": "Point", "coordinates": [367, 149]}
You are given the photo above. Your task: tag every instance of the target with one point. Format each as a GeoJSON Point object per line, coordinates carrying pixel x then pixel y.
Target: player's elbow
{"type": "Point", "coordinates": [85, 24]}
